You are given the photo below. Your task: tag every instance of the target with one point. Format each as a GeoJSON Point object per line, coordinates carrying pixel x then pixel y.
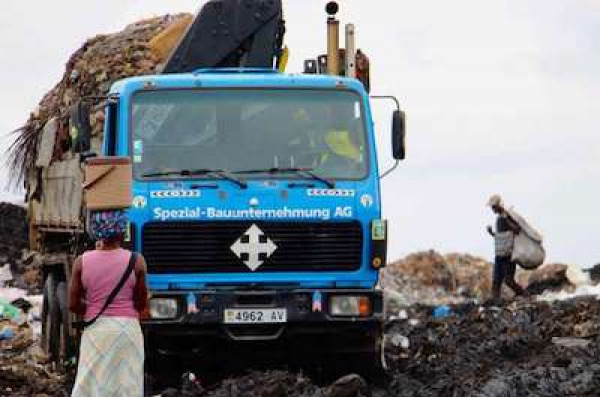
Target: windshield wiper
{"type": "Point", "coordinates": [201, 171]}
{"type": "Point", "coordinates": [306, 172]}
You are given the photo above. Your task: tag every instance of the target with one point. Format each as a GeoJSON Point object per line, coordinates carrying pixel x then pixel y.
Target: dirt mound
{"type": "Point", "coordinates": [526, 348]}
{"type": "Point", "coordinates": [432, 278]}
{"type": "Point", "coordinates": [270, 383]}
{"type": "Point", "coordinates": [275, 383]}
{"type": "Point", "coordinates": [517, 350]}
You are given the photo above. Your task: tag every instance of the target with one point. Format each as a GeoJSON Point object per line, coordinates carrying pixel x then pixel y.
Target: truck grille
{"type": "Point", "coordinates": [197, 247]}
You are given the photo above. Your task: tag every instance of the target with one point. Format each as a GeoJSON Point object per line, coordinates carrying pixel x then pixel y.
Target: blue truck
{"type": "Point", "coordinates": [256, 193]}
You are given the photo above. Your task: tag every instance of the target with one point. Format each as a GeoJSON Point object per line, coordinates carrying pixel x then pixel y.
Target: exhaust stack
{"type": "Point", "coordinates": [333, 39]}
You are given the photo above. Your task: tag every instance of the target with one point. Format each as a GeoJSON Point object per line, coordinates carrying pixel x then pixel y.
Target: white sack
{"type": "Point", "coordinates": [528, 251]}
{"type": "Point", "coordinates": [524, 225]}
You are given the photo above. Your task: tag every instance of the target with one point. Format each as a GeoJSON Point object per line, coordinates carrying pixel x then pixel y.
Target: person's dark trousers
{"type": "Point", "coordinates": [504, 271]}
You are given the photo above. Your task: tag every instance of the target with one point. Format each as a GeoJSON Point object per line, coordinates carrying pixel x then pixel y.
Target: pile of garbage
{"type": "Point", "coordinates": [527, 348]}
{"type": "Point", "coordinates": [432, 278]}
{"type": "Point", "coordinates": [89, 73]}
{"type": "Point", "coordinates": [19, 268]}
{"type": "Point", "coordinates": [275, 383]}
{"type": "Point", "coordinates": [13, 231]}
{"type": "Point", "coordinates": [24, 368]}
{"type": "Point", "coordinates": [16, 263]}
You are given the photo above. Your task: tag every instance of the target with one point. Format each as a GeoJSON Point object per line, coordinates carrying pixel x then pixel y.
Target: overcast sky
{"type": "Point", "coordinates": [501, 97]}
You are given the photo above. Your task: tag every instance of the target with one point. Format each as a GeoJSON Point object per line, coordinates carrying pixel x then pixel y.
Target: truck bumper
{"type": "Point", "coordinates": [201, 315]}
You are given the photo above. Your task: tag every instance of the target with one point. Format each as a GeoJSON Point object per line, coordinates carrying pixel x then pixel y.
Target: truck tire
{"type": "Point", "coordinates": [50, 319]}
{"type": "Point", "coordinates": [66, 347]}
{"type": "Point", "coordinates": [55, 335]}
{"type": "Point", "coordinates": [368, 359]}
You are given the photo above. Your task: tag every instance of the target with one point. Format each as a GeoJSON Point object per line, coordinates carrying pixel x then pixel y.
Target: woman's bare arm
{"type": "Point", "coordinates": [140, 294]}
{"type": "Point", "coordinates": [76, 291]}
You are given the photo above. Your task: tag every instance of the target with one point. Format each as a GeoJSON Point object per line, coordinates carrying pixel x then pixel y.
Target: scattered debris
{"type": "Point", "coordinates": [5, 275]}
{"type": "Point", "coordinates": [442, 311]}
{"type": "Point", "coordinates": [24, 368]}
{"type": "Point", "coordinates": [269, 383]}
{"type": "Point", "coordinates": [594, 273]}
{"type": "Point", "coordinates": [400, 341]}
{"type": "Point", "coordinates": [6, 333]}
{"type": "Point", "coordinates": [352, 385]}
{"type": "Point", "coordinates": [512, 350]}
{"type": "Point", "coordinates": [570, 342]}
{"type": "Point", "coordinates": [7, 311]}
{"type": "Point", "coordinates": [584, 290]}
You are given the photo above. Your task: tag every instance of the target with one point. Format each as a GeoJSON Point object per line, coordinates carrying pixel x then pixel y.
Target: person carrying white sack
{"type": "Point", "coordinates": [504, 241]}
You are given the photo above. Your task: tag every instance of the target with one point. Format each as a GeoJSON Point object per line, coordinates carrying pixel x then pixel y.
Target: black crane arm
{"type": "Point", "coordinates": [231, 33]}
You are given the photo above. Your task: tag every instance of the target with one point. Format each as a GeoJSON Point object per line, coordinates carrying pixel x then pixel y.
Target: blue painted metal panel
{"type": "Point", "coordinates": [363, 206]}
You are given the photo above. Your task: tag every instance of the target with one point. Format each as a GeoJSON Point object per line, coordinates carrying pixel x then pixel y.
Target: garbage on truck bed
{"type": "Point", "coordinates": [90, 72]}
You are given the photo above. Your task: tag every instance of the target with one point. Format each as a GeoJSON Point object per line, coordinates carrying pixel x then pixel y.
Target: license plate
{"type": "Point", "coordinates": [254, 316]}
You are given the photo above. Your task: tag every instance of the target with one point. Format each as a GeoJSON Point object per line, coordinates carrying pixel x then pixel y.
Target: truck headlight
{"type": "Point", "coordinates": [163, 308]}
{"type": "Point", "coordinates": [349, 306]}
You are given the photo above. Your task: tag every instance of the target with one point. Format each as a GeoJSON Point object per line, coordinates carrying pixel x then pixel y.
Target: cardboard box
{"type": "Point", "coordinates": [107, 183]}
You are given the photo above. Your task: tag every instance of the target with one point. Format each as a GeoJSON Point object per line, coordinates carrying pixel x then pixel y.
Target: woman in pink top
{"type": "Point", "coordinates": [111, 354]}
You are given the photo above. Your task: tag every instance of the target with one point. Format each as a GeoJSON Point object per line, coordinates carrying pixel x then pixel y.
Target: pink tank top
{"type": "Point", "coordinates": [100, 273]}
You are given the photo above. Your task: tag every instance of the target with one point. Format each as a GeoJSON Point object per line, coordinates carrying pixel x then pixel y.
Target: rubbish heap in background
{"type": "Point", "coordinates": [17, 266]}
{"type": "Point", "coordinates": [24, 368]}
{"type": "Point", "coordinates": [432, 278]}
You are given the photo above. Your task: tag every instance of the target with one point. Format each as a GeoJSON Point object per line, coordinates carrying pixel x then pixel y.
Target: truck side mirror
{"type": "Point", "coordinates": [398, 135]}
{"type": "Point", "coordinates": [80, 129]}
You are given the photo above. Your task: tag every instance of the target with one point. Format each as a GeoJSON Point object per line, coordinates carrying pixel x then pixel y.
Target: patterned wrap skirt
{"type": "Point", "coordinates": [111, 359]}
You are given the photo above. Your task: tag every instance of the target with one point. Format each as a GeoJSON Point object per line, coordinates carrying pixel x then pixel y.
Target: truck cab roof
{"type": "Point", "coordinates": [235, 77]}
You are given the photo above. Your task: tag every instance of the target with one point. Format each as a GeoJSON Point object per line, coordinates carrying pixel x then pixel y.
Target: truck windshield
{"type": "Point", "coordinates": [245, 131]}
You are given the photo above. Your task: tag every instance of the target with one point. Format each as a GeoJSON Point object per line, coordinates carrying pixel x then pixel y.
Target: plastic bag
{"type": "Point", "coordinates": [8, 311]}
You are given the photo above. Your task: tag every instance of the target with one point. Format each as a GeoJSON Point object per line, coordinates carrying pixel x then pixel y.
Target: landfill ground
{"type": "Point", "coordinates": [525, 348]}
{"type": "Point", "coordinates": [441, 339]}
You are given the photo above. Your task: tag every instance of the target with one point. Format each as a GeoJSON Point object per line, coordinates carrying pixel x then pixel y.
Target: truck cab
{"type": "Point", "coordinates": [256, 203]}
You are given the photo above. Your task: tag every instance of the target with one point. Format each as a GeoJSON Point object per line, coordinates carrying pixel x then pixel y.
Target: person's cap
{"type": "Point", "coordinates": [495, 201]}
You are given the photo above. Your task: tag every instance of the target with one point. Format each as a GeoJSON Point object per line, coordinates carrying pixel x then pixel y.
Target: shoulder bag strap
{"type": "Point", "coordinates": [115, 291]}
